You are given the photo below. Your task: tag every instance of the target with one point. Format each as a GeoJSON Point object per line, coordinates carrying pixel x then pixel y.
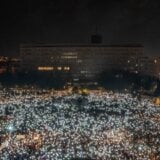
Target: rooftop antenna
{"type": "Point", "coordinates": [96, 38]}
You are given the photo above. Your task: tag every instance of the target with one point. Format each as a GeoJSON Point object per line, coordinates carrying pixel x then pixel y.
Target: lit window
{"type": "Point", "coordinates": [66, 68]}
{"type": "Point", "coordinates": [79, 61]}
{"type": "Point", "coordinates": [59, 68]}
{"type": "Point", "coordinates": [45, 68]}
{"type": "Point", "coordinates": [70, 54]}
{"type": "Point", "coordinates": [84, 72]}
{"type": "Point", "coordinates": [69, 57]}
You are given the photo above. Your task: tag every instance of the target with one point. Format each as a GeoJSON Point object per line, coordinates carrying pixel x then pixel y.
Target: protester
{"type": "Point", "coordinates": [46, 125]}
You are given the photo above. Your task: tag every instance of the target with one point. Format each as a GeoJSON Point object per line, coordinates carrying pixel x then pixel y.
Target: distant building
{"type": "Point", "coordinates": [150, 66]}
{"type": "Point", "coordinates": [14, 65]}
{"type": "Point", "coordinates": [3, 64]}
{"type": "Point", "coordinates": [9, 65]}
{"type": "Point", "coordinates": [80, 62]}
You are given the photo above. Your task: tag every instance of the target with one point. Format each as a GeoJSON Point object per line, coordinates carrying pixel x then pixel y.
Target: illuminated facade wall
{"type": "Point", "coordinates": [81, 61]}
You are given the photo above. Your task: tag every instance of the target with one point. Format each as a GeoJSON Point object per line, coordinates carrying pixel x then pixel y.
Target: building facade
{"type": "Point", "coordinates": [80, 62]}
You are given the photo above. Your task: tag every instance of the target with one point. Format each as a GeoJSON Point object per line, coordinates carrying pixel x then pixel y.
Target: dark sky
{"type": "Point", "coordinates": [73, 21]}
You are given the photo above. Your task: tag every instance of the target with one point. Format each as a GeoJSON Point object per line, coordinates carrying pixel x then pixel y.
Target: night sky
{"type": "Point", "coordinates": [73, 21]}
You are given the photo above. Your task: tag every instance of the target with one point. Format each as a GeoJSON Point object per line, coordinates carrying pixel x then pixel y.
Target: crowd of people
{"type": "Point", "coordinates": [48, 125]}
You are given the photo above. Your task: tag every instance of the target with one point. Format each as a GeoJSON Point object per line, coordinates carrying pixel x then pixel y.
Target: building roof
{"type": "Point", "coordinates": [82, 45]}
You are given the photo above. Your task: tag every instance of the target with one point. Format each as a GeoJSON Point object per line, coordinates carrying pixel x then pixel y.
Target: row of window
{"type": "Point", "coordinates": [47, 68]}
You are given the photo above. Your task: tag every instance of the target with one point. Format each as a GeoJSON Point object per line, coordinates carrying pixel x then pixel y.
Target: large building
{"type": "Point", "coordinates": [80, 62]}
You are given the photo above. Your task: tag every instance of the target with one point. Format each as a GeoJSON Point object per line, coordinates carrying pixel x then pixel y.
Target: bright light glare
{"type": "Point", "coordinates": [10, 128]}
